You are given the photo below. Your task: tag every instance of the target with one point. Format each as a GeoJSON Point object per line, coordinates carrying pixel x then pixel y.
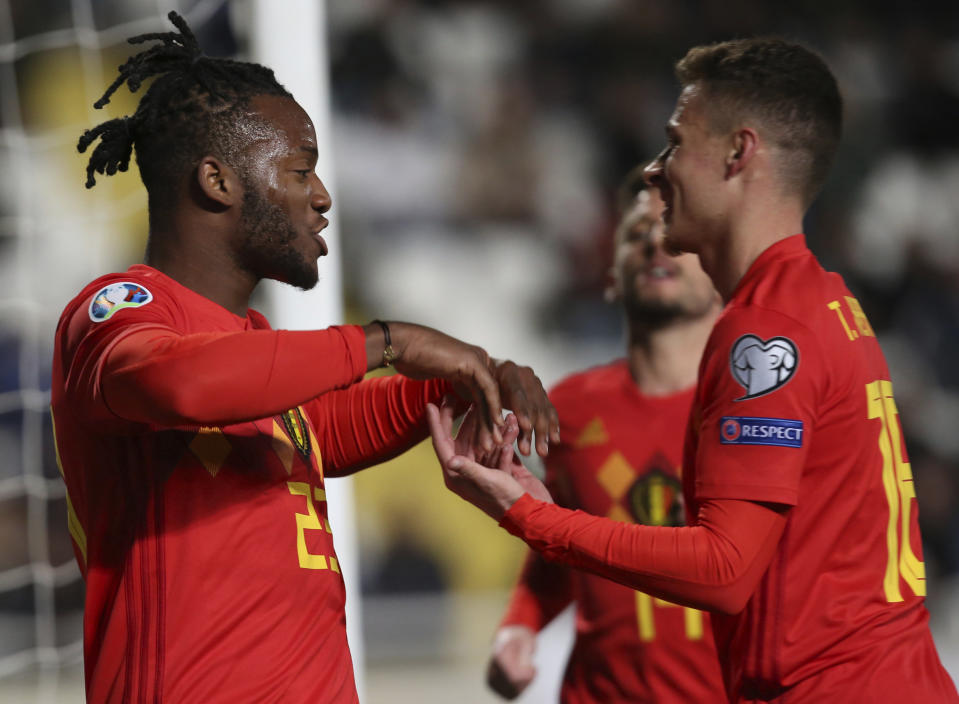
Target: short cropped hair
{"type": "Point", "coordinates": [786, 88]}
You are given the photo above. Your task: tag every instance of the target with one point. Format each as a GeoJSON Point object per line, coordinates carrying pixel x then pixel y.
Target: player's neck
{"type": "Point", "coordinates": [203, 267]}
{"type": "Point", "coordinates": [665, 360]}
{"type": "Point", "coordinates": [757, 228]}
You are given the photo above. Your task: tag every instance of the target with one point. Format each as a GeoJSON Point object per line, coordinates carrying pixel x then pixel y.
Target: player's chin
{"type": "Point", "coordinates": [656, 291]}
{"type": "Point", "coordinates": [655, 304]}
{"type": "Point", "coordinates": [308, 278]}
{"type": "Point", "coordinates": [306, 272]}
{"type": "Point", "coordinates": [303, 274]}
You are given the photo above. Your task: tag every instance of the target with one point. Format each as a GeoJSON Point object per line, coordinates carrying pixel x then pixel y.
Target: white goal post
{"type": "Point", "coordinates": [291, 38]}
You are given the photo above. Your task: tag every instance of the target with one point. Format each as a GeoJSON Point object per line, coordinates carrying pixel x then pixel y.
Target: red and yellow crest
{"type": "Point", "coordinates": [298, 430]}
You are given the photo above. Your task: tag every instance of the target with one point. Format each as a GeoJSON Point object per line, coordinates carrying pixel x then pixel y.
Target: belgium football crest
{"type": "Point", "coordinates": [655, 499]}
{"type": "Point", "coordinates": [297, 429]}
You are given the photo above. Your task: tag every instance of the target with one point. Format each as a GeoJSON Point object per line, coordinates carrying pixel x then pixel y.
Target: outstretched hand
{"type": "Point", "coordinates": [524, 395]}
{"type": "Point", "coordinates": [490, 480]}
{"type": "Point", "coordinates": [511, 666]}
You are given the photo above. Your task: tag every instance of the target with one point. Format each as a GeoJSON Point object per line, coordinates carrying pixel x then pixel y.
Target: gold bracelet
{"type": "Point", "coordinates": [389, 354]}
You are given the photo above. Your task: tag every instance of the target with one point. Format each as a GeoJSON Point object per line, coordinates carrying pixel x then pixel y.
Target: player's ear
{"type": "Point", "coordinates": [218, 182]}
{"type": "Point", "coordinates": [742, 149]}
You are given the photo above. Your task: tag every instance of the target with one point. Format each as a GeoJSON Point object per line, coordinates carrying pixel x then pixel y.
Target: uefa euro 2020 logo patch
{"type": "Point", "coordinates": [116, 297]}
{"type": "Point", "coordinates": [762, 366]}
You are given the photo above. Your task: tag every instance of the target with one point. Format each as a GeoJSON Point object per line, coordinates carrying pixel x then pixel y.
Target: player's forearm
{"type": "Point", "coordinates": [157, 376]}
{"type": "Point", "coordinates": [374, 421]}
{"type": "Point", "coordinates": [714, 565]}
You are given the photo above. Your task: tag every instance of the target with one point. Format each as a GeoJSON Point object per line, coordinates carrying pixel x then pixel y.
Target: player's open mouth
{"type": "Point", "coordinates": [659, 268]}
{"type": "Point", "coordinates": [324, 249]}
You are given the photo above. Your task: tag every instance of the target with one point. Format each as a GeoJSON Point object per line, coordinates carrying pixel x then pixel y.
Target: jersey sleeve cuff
{"type": "Point", "coordinates": [516, 519]}
{"type": "Point", "coordinates": [523, 610]}
{"type": "Point", "coordinates": [355, 340]}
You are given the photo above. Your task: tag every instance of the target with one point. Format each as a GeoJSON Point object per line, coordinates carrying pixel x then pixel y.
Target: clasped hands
{"type": "Point", "coordinates": [488, 384]}
{"type": "Point", "coordinates": [492, 480]}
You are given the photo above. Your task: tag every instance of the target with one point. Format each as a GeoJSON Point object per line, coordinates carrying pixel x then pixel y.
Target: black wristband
{"type": "Point", "coordinates": [389, 354]}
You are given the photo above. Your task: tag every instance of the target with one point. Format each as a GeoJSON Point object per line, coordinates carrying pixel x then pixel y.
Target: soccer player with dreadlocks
{"type": "Point", "coordinates": [194, 440]}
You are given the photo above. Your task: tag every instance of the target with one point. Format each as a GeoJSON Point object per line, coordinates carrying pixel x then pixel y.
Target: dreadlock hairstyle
{"type": "Point", "coordinates": [193, 107]}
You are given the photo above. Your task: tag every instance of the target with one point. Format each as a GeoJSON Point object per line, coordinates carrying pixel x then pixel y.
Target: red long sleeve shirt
{"type": "Point", "coordinates": [794, 409]}
{"type": "Point", "coordinates": [619, 459]}
{"type": "Point", "coordinates": [194, 445]}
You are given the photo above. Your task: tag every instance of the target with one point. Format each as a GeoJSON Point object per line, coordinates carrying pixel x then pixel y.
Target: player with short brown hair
{"type": "Point", "coordinates": [804, 540]}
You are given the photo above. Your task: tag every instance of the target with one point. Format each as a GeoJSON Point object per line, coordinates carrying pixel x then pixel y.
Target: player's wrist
{"type": "Point", "coordinates": [511, 632]}
{"type": "Point", "coordinates": [389, 354]}
{"type": "Point", "coordinates": [383, 343]}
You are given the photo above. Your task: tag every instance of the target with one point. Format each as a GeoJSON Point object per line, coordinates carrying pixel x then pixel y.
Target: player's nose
{"type": "Point", "coordinates": [320, 199]}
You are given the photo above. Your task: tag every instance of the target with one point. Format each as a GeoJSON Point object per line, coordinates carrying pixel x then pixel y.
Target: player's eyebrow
{"type": "Point", "coordinates": [309, 149]}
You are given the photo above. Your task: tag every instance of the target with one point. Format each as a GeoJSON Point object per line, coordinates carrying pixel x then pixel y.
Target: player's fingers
{"type": "Point", "coordinates": [449, 400]}
{"type": "Point", "coordinates": [525, 432]}
{"type": "Point", "coordinates": [482, 439]}
{"type": "Point", "coordinates": [492, 458]}
{"type": "Point", "coordinates": [440, 434]}
{"type": "Point", "coordinates": [467, 430]}
{"type": "Point", "coordinates": [553, 425]}
{"type": "Point", "coordinates": [492, 404]}
{"type": "Point", "coordinates": [502, 682]}
{"type": "Point", "coordinates": [518, 401]}
{"type": "Point", "coordinates": [447, 413]}
{"type": "Point", "coordinates": [511, 429]}
{"type": "Point", "coordinates": [529, 401]}
{"type": "Point", "coordinates": [547, 429]}
{"type": "Point", "coordinates": [506, 459]}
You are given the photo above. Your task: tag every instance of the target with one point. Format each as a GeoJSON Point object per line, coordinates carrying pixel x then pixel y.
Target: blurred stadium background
{"type": "Point", "coordinates": [475, 148]}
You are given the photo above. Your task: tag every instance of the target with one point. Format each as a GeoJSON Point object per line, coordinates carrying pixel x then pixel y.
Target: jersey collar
{"type": "Point", "coordinates": [149, 272]}
{"type": "Point", "coordinates": [792, 246]}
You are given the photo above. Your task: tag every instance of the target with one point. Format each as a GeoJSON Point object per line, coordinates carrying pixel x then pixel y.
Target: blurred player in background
{"type": "Point", "coordinates": [193, 439]}
{"type": "Point", "coordinates": [804, 538]}
{"type": "Point", "coordinates": [622, 428]}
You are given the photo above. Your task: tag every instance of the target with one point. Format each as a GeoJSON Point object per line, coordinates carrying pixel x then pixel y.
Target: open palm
{"type": "Point", "coordinates": [491, 481]}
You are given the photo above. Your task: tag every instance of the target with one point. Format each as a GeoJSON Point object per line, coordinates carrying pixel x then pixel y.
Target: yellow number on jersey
{"type": "Point", "coordinates": [310, 521]}
{"type": "Point", "coordinates": [900, 490]}
{"type": "Point", "coordinates": [647, 622]}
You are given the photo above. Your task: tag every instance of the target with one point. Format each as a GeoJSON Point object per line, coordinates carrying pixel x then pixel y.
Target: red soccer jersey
{"type": "Point", "coordinates": [795, 407]}
{"type": "Point", "coordinates": [209, 562]}
{"type": "Point", "coordinates": [620, 458]}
